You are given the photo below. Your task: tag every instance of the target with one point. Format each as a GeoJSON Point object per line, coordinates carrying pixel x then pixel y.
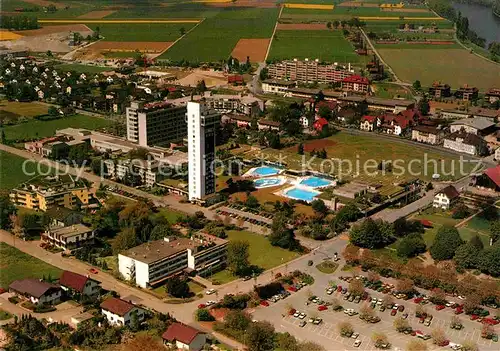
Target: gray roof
{"type": "Point", "coordinates": [32, 287]}
{"type": "Point", "coordinates": [477, 123]}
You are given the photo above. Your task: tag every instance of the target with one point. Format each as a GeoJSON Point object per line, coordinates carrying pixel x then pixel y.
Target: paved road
{"type": "Point", "coordinates": [254, 85]}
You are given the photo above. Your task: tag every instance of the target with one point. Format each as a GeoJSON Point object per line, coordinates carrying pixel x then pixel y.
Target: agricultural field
{"type": "Point", "coordinates": [262, 254]}
{"type": "Point", "coordinates": [215, 38]}
{"type": "Point", "coordinates": [23, 109]}
{"type": "Point", "coordinates": [323, 45]}
{"type": "Point", "coordinates": [79, 68]}
{"type": "Point", "coordinates": [390, 91]}
{"type": "Point", "coordinates": [41, 129]}
{"type": "Point", "coordinates": [438, 64]}
{"type": "Point", "coordinates": [177, 10]}
{"type": "Point", "coordinates": [18, 265]}
{"type": "Point", "coordinates": [11, 170]}
{"type": "Point", "coordinates": [141, 31]}
{"type": "Point", "coordinates": [348, 147]}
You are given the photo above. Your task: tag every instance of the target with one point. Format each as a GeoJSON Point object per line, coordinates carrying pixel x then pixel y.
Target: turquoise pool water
{"type": "Point", "coordinates": [265, 171]}
{"type": "Point", "coordinates": [301, 194]}
{"type": "Point", "coordinates": [266, 182]}
{"type": "Point", "coordinates": [315, 182]}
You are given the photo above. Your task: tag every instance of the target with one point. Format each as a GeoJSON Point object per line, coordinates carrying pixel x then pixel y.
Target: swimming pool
{"type": "Point", "coordinates": [265, 171]}
{"type": "Point", "coordinates": [267, 182]}
{"type": "Point", "coordinates": [315, 182]}
{"type": "Point", "coordinates": [301, 194]}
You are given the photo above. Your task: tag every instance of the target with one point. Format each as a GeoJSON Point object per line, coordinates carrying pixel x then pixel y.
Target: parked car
{"type": "Point", "coordinates": [357, 343]}
{"type": "Point", "coordinates": [264, 303]}
{"type": "Point", "coordinates": [440, 307]}
{"type": "Point", "coordinates": [401, 308]}
{"type": "Point", "coordinates": [322, 308]}
{"type": "Point", "coordinates": [302, 315]}
{"type": "Point", "coordinates": [302, 324]}
{"type": "Point", "coordinates": [210, 292]}
{"type": "Point", "coordinates": [93, 271]}
{"type": "Point", "coordinates": [393, 312]}
{"type": "Point", "coordinates": [202, 305]}
{"type": "Point", "coordinates": [296, 314]}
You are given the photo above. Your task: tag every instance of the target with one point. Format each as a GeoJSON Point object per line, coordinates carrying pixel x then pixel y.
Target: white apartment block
{"type": "Point", "coordinates": [153, 124]}
{"type": "Point", "coordinates": [202, 127]}
{"type": "Point", "coordinates": [152, 263]}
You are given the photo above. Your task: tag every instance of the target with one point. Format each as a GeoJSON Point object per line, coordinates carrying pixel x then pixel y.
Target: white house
{"type": "Point", "coordinates": [37, 291]}
{"type": "Point", "coordinates": [304, 121]}
{"type": "Point", "coordinates": [184, 337]}
{"type": "Point", "coordinates": [119, 312]}
{"type": "Point", "coordinates": [446, 197]}
{"type": "Point", "coordinates": [84, 285]}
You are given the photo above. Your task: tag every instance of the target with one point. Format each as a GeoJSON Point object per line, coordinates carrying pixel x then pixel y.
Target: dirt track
{"type": "Point", "coordinates": [144, 46]}
{"type": "Point", "coordinates": [254, 48]}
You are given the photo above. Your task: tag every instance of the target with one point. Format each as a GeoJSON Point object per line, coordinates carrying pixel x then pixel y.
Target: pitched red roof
{"type": "Point", "coordinates": [426, 223]}
{"type": "Point", "coordinates": [117, 306]}
{"type": "Point", "coordinates": [356, 79]}
{"type": "Point", "coordinates": [73, 280]}
{"type": "Point", "coordinates": [330, 104]}
{"type": "Point", "coordinates": [450, 191]}
{"type": "Point", "coordinates": [181, 332]}
{"type": "Point", "coordinates": [494, 174]}
{"type": "Point", "coordinates": [320, 123]}
{"type": "Point", "coordinates": [370, 119]}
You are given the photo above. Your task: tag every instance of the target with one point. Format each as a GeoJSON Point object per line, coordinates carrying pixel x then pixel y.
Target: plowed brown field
{"type": "Point", "coordinates": [143, 46]}
{"type": "Point", "coordinates": [254, 48]}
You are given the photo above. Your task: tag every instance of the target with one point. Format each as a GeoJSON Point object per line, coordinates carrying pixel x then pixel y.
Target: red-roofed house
{"type": "Point", "coordinates": [84, 285]}
{"type": "Point", "coordinates": [119, 312]}
{"type": "Point", "coordinates": [184, 337]}
{"type": "Point", "coordinates": [235, 79]}
{"type": "Point", "coordinates": [446, 197]}
{"type": "Point", "coordinates": [491, 178]}
{"type": "Point", "coordinates": [395, 124]}
{"type": "Point", "coordinates": [369, 123]}
{"type": "Point", "coordinates": [356, 83]}
{"type": "Point", "coordinates": [319, 124]}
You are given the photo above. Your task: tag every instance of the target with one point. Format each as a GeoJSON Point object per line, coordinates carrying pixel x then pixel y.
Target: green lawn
{"type": "Point", "coordinates": [4, 315]}
{"type": "Point", "coordinates": [11, 170]}
{"type": "Point", "coordinates": [141, 31]}
{"type": "Point", "coordinates": [16, 264]}
{"type": "Point", "coordinates": [215, 38]}
{"type": "Point", "coordinates": [327, 267]}
{"type": "Point", "coordinates": [438, 219]}
{"type": "Point", "coordinates": [390, 91]}
{"type": "Point", "coordinates": [24, 109]}
{"type": "Point", "coordinates": [79, 68]}
{"type": "Point", "coordinates": [262, 254]}
{"type": "Point", "coordinates": [314, 44]}
{"type": "Point", "coordinates": [40, 129]}
{"type": "Point", "coordinates": [170, 215]}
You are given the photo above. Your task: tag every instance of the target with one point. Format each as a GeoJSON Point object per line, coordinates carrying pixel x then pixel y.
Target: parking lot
{"type": "Point", "coordinates": [328, 335]}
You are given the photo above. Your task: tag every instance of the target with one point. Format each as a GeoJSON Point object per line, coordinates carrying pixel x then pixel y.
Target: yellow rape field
{"type": "Point", "coordinates": [6, 35]}
{"type": "Point", "coordinates": [310, 6]}
{"type": "Point", "coordinates": [397, 6]}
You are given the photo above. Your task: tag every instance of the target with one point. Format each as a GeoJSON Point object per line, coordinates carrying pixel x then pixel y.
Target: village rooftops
{"type": "Point", "coordinates": [74, 281]}
{"type": "Point", "coordinates": [309, 91]}
{"type": "Point", "coordinates": [450, 191]}
{"type": "Point", "coordinates": [427, 129]}
{"type": "Point", "coordinates": [477, 123]}
{"type": "Point", "coordinates": [267, 122]}
{"type": "Point", "coordinates": [181, 332]}
{"type": "Point", "coordinates": [356, 79]}
{"type": "Point", "coordinates": [280, 82]}
{"type": "Point", "coordinates": [32, 287]}
{"type": "Point", "coordinates": [117, 306]}
{"type": "Point", "coordinates": [70, 231]}
{"type": "Point", "coordinates": [467, 138]}
{"type": "Point", "coordinates": [476, 111]}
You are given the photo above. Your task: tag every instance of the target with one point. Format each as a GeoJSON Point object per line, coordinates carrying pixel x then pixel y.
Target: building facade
{"type": "Point", "coordinates": [308, 71]}
{"type": "Point", "coordinates": [37, 291]}
{"type": "Point", "coordinates": [119, 312]}
{"type": "Point", "coordinates": [154, 124]}
{"type": "Point", "coordinates": [446, 197]}
{"type": "Point", "coordinates": [77, 283]}
{"type": "Point", "coordinates": [202, 126]}
{"type": "Point", "coordinates": [426, 134]}
{"type": "Point", "coordinates": [69, 238]}
{"type": "Point", "coordinates": [275, 86]}
{"type": "Point", "coordinates": [471, 144]}
{"type": "Point", "coordinates": [356, 83]}
{"type": "Point", "coordinates": [184, 337]}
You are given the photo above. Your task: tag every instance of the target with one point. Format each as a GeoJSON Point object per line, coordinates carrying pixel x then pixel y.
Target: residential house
{"type": "Point", "coordinates": [305, 93]}
{"type": "Point", "coordinates": [37, 291]}
{"type": "Point", "coordinates": [69, 238]}
{"type": "Point", "coordinates": [493, 95]}
{"type": "Point", "coordinates": [445, 198]}
{"type": "Point", "coordinates": [184, 337]}
{"type": "Point", "coordinates": [319, 124]}
{"type": "Point", "coordinates": [265, 124]}
{"type": "Point", "coordinates": [81, 284]}
{"type": "Point", "coordinates": [439, 90]}
{"type": "Point", "coordinates": [467, 93]}
{"type": "Point", "coordinates": [471, 112]}
{"type": "Point", "coordinates": [305, 121]}
{"type": "Point", "coordinates": [395, 124]}
{"type": "Point", "coordinates": [369, 123]}
{"type": "Point", "coordinates": [490, 179]}
{"type": "Point", "coordinates": [356, 83]}
{"type": "Point", "coordinates": [236, 79]}
{"type": "Point", "coordinates": [427, 134]}
{"type": "Point", "coordinates": [478, 126]}
{"type": "Point", "coordinates": [119, 312]}
{"type": "Point", "coordinates": [333, 106]}
{"type": "Point", "coordinates": [346, 114]}
{"type": "Point", "coordinates": [241, 121]}
{"type": "Point", "coordinates": [468, 143]}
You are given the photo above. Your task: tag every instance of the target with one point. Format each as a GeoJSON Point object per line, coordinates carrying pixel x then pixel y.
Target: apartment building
{"type": "Point", "coordinates": [150, 172]}
{"type": "Point", "coordinates": [468, 143]}
{"type": "Point", "coordinates": [159, 123]}
{"type": "Point", "coordinates": [471, 112]}
{"type": "Point", "coordinates": [427, 134]}
{"type": "Point", "coordinates": [356, 83]}
{"type": "Point", "coordinates": [276, 86]}
{"type": "Point", "coordinates": [151, 263]}
{"type": "Point", "coordinates": [44, 192]}
{"type": "Point", "coordinates": [439, 90]}
{"type": "Point", "coordinates": [308, 71]}
{"type": "Point", "coordinates": [478, 126]}
{"type": "Point", "coordinates": [247, 105]}
{"type": "Point", "coordinates": [467, 93]}
{"type": "Point", "coordinates": [69, 238]}
{"type": "Point", "coordinates": [493, 95]}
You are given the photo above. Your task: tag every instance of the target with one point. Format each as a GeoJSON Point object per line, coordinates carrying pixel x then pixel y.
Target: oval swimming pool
{"type": "Point", "coordinates": [267, 182]}
{"type": "Point", "coordinates": [265, 171]}
{"type": "Point", "coordinates": [315, 182]}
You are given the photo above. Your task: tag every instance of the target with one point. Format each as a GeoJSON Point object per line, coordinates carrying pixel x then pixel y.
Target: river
{"type": "Point", "coordinates": [481, 20]}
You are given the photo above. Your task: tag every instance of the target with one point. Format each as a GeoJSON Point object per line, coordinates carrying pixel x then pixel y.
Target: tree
{"type": "Point", "coordinates": [429, 186]}
{"type": "Point", "coordinates": [495, 231]}
{"type": "Point", "coordinates": [300, 149]}
{"type": "Point", "coordinates": [476, 242]}
{"type": "Point", "coordinates": [124, 240]}
{"type": "Point", "coordinates": [471, 302]}
{"type": "Point", "coordinates": [438, 336]}
{"type": "Point", "coordinates": [161, 231]}
{"type": "Point", "coordinates": [401, 324]}
{"type": "Point", "coordinates": [416, 85]}
{"type": "Point", "coordinates": [380, 340]}
{"type": "Point", "coordinates": [373, 276]}
{"type": "Point", "coordinates": [238, 256]}
{"type": "Point", "coordinates": [142, 342]}
{"type": "Point", "coordinates": [252, 202]}
{"type": "Point", "coordinates": [325, 112]}
{"type": "Point", "coordinates": [460, 211]}
{"type": "Point", "coordinates": [405, 286]}
{"type": "Point", "coordinates": [319, 207]}
{"type": "Point", "coordinates": [177, 287]}
{"type": "Point", "coordinates": [411, 246]}
{"type": "Point", "coordinates": [329, 25]}
{"type": "Point", "coordinates": [369, 234]}
{"type": "Point", "coordinates": [285, 341]}
{"type": "Point", "coordinates": [6, 210]}
{"type": "Point", "coordinates": [335, 304]}
{"type": "Point", "coordinates": [489, 262]}
{"type": "Point", "coordinates": [260, 336]}
{"type": "Point", "coordinates": [281, 235]}
{"type": "Point", "coordinates": [387, 301]}
{"type": "Point", "coordinates": [345, 328]}
{"type": "Point", "coordinates": [438, 296]}
{"type": "Point", "coordinates": [356, 287]}
{"type": "Point", "coordinates": [416, 345]}
{"type": "Point", "coordinates": [237, 320]}
{"type": "Point", "coordinates": [201, 86]}
{"type": "Point", "coordinates": [366, 312]}
{"type": "Point", "coordinates": [446, 242]}
{"type": "Point", "coordinates": [182, 31]}
{"type": "Point", "coordinates": [3, 138]}
{"type": "Point", "coordinates": [467, 256]}
{"type": "Point", "coordinates": [310, 346]}
{"type": "Point", "coordinates": [424, 106]}
{"type": "Point", "coordinates": [203, 315]}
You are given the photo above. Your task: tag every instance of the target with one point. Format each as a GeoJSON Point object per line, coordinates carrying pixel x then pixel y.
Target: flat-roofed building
{"type": "Point", "coordinates": [44, 192]}
{"type": "Point", "coordinates": [152, 263]}
{"type": "Point", "coordinates": [159, 123]}
{"type": "Point", "coordinates": [69, 238]}
{"type": "Point", "coordinates": [308, 71]}
{"type": "Point", "coordinates": [277, 86]}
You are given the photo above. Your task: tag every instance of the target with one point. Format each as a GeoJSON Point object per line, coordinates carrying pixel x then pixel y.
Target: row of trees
{"type": "Point", "coordinates": [19, 22]}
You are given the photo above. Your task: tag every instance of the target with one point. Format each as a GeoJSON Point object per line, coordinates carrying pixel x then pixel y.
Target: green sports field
{"type": "Point", "coordinates": [215, 38]}
{"type": "Point", "coordinates": [313, 44]}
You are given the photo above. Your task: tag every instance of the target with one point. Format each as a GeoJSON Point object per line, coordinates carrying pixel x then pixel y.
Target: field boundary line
{"type": "Point", "coordinates": [274, 32]}
{"type": "Point", "coordinates": [122, 21]}
{"type": "Point", "coordinates": [182, 36]}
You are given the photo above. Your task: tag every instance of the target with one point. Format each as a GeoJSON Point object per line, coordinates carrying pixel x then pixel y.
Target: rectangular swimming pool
{"type": "Point", "coordinates": [301, 194]}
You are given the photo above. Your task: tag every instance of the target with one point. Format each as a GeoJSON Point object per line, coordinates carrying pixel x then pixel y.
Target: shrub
{"type": "Point", "coordinates": [203, 315]}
